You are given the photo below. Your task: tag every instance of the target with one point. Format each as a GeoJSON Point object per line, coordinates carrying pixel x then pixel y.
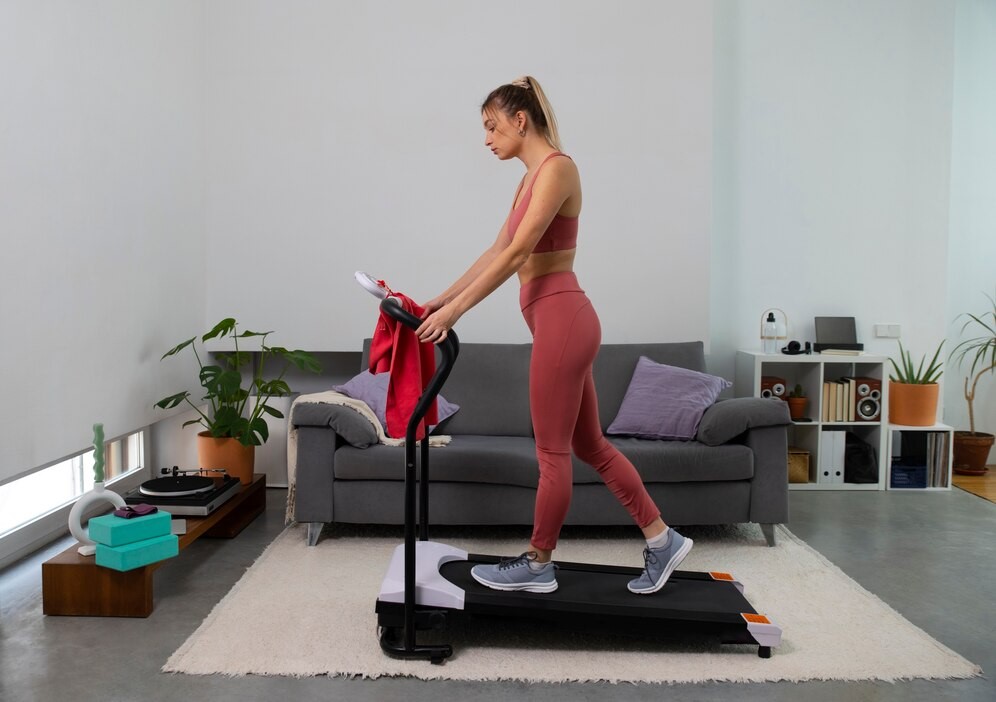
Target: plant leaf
{"type": "Point", "coordinates": [179, 347]}
{"type": "Point", "coordinates": [275, 387]}
{"type": "Point", "coordinates": [173, 400]}
{"type": "Point", "coordinates": [222, 328]}
{"type": "Point", "coordinates": [272, 412]}
{"type": "Point", "coordinates": [304, 360]}
{"type": "Point", "coordinates": [258, 426]}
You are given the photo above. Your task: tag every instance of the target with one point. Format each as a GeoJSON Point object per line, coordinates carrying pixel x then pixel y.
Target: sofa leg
{"type": "Point", "coordinates": [314, 532]}
{"type": "Point", "coordinates": [769, 533]}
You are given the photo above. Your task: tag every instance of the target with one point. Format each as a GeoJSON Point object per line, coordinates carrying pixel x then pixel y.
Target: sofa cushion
{"type": "Point", "coordinates": [511, 460]}
{"type": "Point", "coordinates": [372, 389]}
{"type": "Point", "coordinates": [677, 461]}
{"type": "Point", "coordinates": [499, 460]}
{"type": "Point", "coordinates": [490, 382]}
{"type": "Point", "coordinates": [615, 364]}
{"type": "Point", "coordinates": [352, 426]}
{"type": "Point", "coordinates": [665, 402]}
{"type": "Point", "coordinates": [728, 419]}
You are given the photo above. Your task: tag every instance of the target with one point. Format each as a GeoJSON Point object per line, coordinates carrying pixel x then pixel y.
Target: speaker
{"type": "Point", "coordinates": [868, 400]}
{"type": "Point", "coordinates": [773, 387]}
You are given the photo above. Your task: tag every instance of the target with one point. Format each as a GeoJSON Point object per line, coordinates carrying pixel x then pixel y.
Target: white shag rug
{"type": "Point", "coordinates": [318, 619]}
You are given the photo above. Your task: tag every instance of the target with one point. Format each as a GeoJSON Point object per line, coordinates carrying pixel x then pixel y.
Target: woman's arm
{"type": "Point", "coordinates": [549, 194]}
{"type": "Point", "coordinates": [472, 273]}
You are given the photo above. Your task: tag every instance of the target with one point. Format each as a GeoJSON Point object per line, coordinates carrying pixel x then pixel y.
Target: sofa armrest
{"type": "Point", "coordinates": [728, 419]}
{"type": "Point", "coordinates": [769, 487]}
{"type": "Point", "coordinates": [353, 427]}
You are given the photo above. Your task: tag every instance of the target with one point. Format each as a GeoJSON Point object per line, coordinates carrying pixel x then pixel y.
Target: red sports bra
{"type": "Point", "coordinates": [562, 234]}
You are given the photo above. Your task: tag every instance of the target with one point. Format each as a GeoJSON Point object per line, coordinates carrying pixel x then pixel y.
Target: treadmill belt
{"type": "Point", "coordinates": [586, 589]}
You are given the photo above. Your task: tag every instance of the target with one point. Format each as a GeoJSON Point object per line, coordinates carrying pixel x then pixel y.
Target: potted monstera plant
{"type": "Point", "coordinates": [913, 389]}
{"type": "Point", "coordinates": [971, 448]}
{"type": "Point", "coordinates": [237, 403]}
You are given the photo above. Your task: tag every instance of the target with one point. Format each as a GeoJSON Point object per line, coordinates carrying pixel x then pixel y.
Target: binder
{"type": "Point", "coordinates": [831, 463]}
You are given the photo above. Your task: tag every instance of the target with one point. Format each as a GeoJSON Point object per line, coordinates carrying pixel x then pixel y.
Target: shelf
{"type": "Point", "coordinates": [759, 374]}
{"type": "Point", "coordinates": [937, 457]}
{"type": "Point", "coordinates": [839, 486]}
{"type": "Point", "coordinates": [932, 427]}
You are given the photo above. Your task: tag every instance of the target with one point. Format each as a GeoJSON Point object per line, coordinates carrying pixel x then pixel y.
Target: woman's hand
{"type": "Point", "coordinates": [437, 324]}
{"type": "Point", "coordinates": [431, 306]}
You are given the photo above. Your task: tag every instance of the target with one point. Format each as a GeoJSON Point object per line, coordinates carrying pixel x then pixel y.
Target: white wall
{"type": "Point", "coordinates": [972, 262]}
{"type": "Point", "coordinates": [345, 136]}
{"type": "Point", "coordinates": [833, 133]}
{"type": "Point", "coordinates": [101, 188]}
{"type": "Point", "coordinates": [135, 160]}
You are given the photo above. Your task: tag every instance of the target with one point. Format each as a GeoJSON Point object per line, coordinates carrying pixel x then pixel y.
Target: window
{"type": "Point", "coordinates": [26, 499]}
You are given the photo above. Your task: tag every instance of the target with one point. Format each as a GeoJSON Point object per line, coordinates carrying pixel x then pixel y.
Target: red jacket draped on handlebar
{"type": "Point", "coordinates": [395, 349]}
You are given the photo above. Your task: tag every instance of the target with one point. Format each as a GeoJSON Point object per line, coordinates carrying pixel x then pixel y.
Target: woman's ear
{"type": "Point", "coordinates": [521, 120]}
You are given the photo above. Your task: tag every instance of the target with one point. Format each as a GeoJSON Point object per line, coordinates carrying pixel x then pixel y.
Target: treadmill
{"type": "Point", "coordinates": [429, 582]}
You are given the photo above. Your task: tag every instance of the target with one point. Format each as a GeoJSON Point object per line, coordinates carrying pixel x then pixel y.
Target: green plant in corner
{"type": "Point", "coordinates": [981, 349]}
{"type": "Point", "coordinates": [906, 373]}
{"type": "Point", "coordinates": [229, 412]}
{"type": "Point", "coordinates": [797, 391]}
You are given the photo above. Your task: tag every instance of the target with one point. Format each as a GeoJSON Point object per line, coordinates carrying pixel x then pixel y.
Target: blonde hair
{"type": "Point", "coordinates": [525, 94]}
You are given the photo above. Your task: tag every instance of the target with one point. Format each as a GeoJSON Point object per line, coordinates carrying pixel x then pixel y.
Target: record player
{"type": "Point", "coordinates": [186, 493]}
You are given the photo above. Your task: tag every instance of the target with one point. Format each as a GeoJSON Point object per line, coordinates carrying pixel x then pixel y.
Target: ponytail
{"type": "Point", "coordinates": [527, 95]}
{"type": "Point", "coordinates": [551, 132]}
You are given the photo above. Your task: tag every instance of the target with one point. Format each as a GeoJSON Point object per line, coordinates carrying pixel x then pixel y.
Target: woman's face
{"type": "Point", "coordinates": [500, 134]}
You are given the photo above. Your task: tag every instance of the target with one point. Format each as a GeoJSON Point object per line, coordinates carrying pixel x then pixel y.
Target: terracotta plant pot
{"type": "Point", "coordinates": [913, 405]}
{"type": "Point", "coordinates": [237, 460]}
{"type": "Point", "coordinates": [971, 452]}
{"type": "Point", "coordinates": [797, 406]}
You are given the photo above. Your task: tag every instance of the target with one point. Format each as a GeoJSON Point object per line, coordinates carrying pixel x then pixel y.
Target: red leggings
{"type": "Point", "coordinates": [564, 407]}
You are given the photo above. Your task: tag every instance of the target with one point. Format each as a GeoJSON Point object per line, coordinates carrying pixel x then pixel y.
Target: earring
{"type": "Point", "coordinates": [522, 132]}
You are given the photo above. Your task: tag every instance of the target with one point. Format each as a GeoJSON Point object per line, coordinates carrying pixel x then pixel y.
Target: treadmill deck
{"type": "Point", "coordinates": [707, 606]}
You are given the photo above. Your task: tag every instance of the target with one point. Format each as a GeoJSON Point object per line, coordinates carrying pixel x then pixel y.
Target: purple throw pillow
{"type": "Point", "coordinates": [372, 389]}
{"type": "Point", "coordinates": [665, 402]}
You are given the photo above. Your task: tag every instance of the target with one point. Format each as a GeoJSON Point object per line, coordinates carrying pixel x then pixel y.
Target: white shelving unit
{"type": "Point", "coordinates": [938, 461]}
{"type": "Point", "coordinates": [811, 371]}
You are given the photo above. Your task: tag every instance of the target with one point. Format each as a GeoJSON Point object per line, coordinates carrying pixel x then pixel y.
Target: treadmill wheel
{"type": "Point", "coordinates": [764, 651]}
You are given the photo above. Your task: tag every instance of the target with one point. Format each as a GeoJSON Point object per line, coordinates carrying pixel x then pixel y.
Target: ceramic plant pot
{"type": "Point", "coordinates": [797, 406]}
{"type": "Point", "coordinates": [913, 405]}
{"type": "Point", "coordinates": [228, 454]}
{"type": "Point", "coordinates": [971, 451]}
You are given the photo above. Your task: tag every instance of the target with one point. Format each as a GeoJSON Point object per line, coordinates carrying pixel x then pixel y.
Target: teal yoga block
{"type": "Point", "coordinates": [117, 531]}
{"type": "Point", "coordinates": [138, 554]}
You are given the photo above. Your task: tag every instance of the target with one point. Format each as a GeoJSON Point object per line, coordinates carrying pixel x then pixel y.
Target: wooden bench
{"type": "Point", "coordinates": [75, 585]}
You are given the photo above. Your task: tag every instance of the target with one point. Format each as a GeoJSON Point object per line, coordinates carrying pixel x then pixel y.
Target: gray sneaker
{"type": "Point", "coordinates": [515, 574]}
{"type": "Point", "coordinates": [659, 563]}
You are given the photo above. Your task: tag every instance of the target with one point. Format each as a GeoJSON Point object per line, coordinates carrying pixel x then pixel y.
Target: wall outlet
{"type": "Point", "coordinates": [887, 331]}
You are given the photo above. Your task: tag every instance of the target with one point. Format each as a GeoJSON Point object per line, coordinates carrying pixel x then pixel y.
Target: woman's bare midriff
{"type": "Point", "coordinates": [539, 264]}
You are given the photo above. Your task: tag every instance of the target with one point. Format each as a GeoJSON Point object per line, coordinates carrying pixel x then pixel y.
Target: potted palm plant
{"type": "Point", "coordinates": [971, 448]}
{"type": "Point", "coordinates": [234, 422]}
{"type": "Point", "coordinates": [913, 390]}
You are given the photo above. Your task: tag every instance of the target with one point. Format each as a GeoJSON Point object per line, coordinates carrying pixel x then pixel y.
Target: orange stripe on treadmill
{"type": "Point", "coordinates": [755, 618]}
{"type": "Point", "coordinates": [722, 576]}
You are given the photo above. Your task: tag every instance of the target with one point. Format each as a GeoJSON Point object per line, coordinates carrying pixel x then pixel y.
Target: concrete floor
{"type": "Point", "coordinates": [929, 555]}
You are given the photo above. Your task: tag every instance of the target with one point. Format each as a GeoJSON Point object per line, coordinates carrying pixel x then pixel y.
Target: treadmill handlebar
{"type": "Point", "coordinates": [449, 349]}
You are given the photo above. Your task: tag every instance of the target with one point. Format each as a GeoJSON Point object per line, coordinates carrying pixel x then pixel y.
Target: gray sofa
{"type": "Point", "coordinates": [735, 470]}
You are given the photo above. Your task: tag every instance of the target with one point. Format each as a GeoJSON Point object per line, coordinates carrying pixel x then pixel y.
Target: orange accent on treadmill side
{"type": "Point", "coordinates": [722, 576]}
{"type": "Point", "coordinates": [755, 618]}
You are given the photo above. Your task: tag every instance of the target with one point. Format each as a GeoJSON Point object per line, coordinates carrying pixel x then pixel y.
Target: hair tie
{"type": "Point", "coordinates": [522, 82]}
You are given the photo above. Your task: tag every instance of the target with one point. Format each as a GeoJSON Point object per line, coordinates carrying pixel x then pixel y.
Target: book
{"type": "Point", "coordinates": [842, 352]}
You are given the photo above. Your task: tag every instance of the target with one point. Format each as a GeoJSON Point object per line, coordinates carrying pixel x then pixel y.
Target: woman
{"type": "Point", "coordinates": [538, 241]}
